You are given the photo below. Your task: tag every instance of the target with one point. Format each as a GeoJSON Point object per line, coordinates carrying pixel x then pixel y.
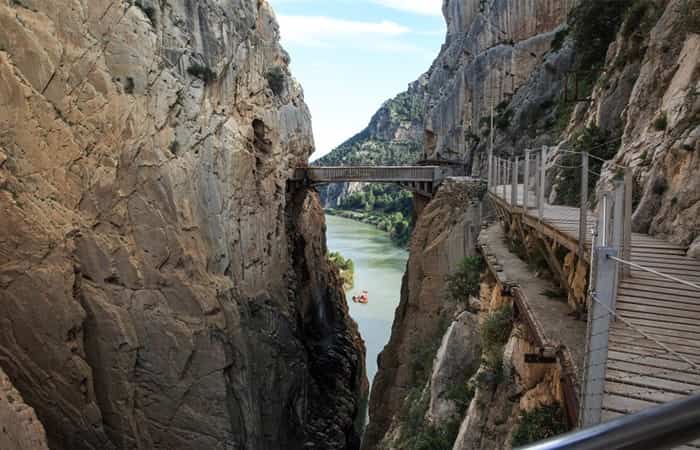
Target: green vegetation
{"type": "Point", "coordinates": [562, 115]}
{"type": "Point", "coordinates": [371, 148]}
{"type": "Point", "coordinates": [422, 355]}
{"type": "Point", "coordinates": [538, 424]}
{"type": "Point", "coordinates": [276, 79]}
{"type": "Point", "coordinates": [462, 394]}
{"type": "Point", "coordinates": [465, 281]}
{"type": "Point", "coordinates": [129, 85]}
{"type": "Point", "coordinates": [594, 25]}
{"type": "Point", "coordinates": [559, 38]}
{"type": "Point", "coordinates": [636, 18]}
{"type": "Point", "coordinates": [417, 434]}
{"type": "Point", "coordinates": [433, 438]}
{"type": "Point", "coordinates": [601, 145]}
{"type": "Point", "coordinates": [387, 207]}
{"type": "Point", "coordinates": [690, 12]}
{"type": "Point", "coordinates": [645, 159]}
{"type": "Point", "coordinates": [148, 10]}
{"type": "Point", "coordinates": [202, 72]}
{"type": "Point", "coordinates": [640, 18]}
{"type": "Point", "coordinates": [502, 121]}
{"type": "Point", "coordinates": [495, 332]}
{"type": "Point", "coordinates": [661, 122]}
{"type": "Point", "coordinates": [346, 268]}
{"type": "Point", "coordinates": [174, 147]}
{"type": "Point", "coordinates": [660, 186]}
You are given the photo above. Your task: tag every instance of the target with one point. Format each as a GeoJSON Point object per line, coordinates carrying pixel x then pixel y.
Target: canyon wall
{"type": "Point", "coordinates": [161, 285]}
{"type": "Point", "coordinates": [20, 429]}
{"type": "Point", "coordinates": [440, 241]}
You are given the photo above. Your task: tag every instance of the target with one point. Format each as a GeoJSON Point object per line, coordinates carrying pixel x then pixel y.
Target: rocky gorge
{"type": "Point", "coordinates": [161, 286]}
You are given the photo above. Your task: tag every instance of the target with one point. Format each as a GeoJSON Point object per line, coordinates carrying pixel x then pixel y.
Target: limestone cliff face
{"type": "Point", "coordinates": [439, 243]}
{"type": "Point", "coordinates": [161, 285]}
{"type": "Point", "coordinates": [21, 429]}
{"type": "Point", "coordinates": [491, 50]}
{"type": "Point", "coordinates": [659, 115]}
{"type": "Point", "coordinates": [394, 136]}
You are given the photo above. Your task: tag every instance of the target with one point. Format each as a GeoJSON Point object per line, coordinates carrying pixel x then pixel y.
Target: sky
{"type": "Point", "coordinates": [352, 55]}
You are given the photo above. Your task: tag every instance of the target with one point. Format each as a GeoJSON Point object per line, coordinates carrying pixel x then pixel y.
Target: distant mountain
{"type": "Point", "coordinates": [393, 136]}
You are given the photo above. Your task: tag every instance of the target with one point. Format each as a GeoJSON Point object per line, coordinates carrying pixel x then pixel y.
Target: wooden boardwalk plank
{"type": "Point", "coordinates": [662, 316]}
{"type": "Point", "coordinates": [631, 289]}
{"type": "Point", "coordinates": [647, 393]}
{"type": "Point", "coordinates": [625, 405]}
{"type": "Point", "coordinates": [663, 313]}
{"type": "Point", "coordinates": [670, 341]}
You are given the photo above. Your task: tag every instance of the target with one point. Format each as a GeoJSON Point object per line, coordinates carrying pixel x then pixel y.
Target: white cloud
{"type": "Point", "coordinates": [424, 7]}
{"type": "Point", "coordinates": [318, 30]}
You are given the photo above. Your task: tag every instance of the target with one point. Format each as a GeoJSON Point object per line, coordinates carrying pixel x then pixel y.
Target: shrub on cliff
{"type": "Point", "coordinates": [148, 10]}
{"type": "Point", "coordinates": [495, 332]}
{"type": "Point", "coordinates": [690, 12]}
{"type": "Point", "coordinates": [601, 145]}
{"type": "Point", "coordinates": [276, 79]}
{"type": "Point", "coordinates": [594, 25]}
{"type": "Point", "coordinates": [661, 122]}
{"type": "Point", "coordinates": [538, 424]}
{"type": "Point", "coordinates": [416, 434]}
{"type": "Point", "coordinates": [346, 268]}
{"type": "Point", "coordinates": [465, 281]}
{"type": "Point", "coordinates": [202, 72]}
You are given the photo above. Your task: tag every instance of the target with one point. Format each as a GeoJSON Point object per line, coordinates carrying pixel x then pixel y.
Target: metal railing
{"type": "Point", "coordinates": [630, 353]}
{"type": "Point", "coordinates": [661, 427]}
{"type": "Point", "coordinates": [526, 182]}
{"type": "Point", "coordinates": [389, 174]}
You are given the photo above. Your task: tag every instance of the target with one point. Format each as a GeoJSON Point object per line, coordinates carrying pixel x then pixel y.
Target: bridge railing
{"type": "Point", "coordinates": [388, 174]}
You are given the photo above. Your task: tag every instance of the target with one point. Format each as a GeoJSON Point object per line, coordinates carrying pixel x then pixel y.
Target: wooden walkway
{"type": "Point", "coordinates": [651, 309]}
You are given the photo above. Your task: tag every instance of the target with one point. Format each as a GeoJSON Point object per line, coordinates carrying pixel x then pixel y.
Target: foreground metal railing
{"type": "Point", "coordinates": [662, 427]}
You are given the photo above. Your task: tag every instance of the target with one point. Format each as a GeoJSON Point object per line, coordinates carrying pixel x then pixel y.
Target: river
{"type": "Point", "coordinates": [379, 268]}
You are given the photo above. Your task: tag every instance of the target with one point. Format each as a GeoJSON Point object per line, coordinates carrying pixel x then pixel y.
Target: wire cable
{"type": "Point", "coordinates": [632, 326]}
{"type": "Point", "coordinates": [656, 272]}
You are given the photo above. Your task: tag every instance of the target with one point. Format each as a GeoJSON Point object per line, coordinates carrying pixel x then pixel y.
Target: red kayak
{"type": "Point", "coordinates": [363, 299]}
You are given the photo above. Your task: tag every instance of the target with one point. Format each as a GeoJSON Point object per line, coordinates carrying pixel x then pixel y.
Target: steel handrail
{"type": "Point", "coordinates": [662, 427]}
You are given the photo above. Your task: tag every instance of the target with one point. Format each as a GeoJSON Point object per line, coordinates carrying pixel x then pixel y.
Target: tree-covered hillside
{"type": "Point", "coordinates": [394, 136]}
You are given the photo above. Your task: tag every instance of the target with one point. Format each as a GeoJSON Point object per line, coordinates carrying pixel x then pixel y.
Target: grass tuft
{"type": "Point", "coordinates": [465, 281]}
{"type": "Point", "coordinates": [538, 424]}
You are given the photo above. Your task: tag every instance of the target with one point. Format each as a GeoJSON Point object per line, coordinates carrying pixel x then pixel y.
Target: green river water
{"type": "Point", "coordinates": [379, 268]}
